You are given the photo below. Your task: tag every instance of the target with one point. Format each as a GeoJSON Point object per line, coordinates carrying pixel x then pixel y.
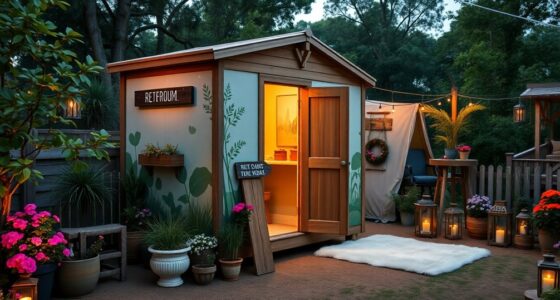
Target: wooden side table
{"type": "Point", "coordinates": [454, 171]}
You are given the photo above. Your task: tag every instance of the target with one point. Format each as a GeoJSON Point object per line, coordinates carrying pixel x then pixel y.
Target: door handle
{"type": "Point", "coordinates": [343, 163]}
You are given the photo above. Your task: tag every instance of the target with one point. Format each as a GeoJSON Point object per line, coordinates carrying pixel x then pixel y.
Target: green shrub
{"type": "Point", "coordinates": [405, 202]}
{"type": "Point", "coordinates": [167, 234]}
{"type": "Point", "coordinates": [198, 219]}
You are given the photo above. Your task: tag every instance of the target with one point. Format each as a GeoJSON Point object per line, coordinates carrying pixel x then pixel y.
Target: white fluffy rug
{"type": "Point", "coordinates": [404, 253]}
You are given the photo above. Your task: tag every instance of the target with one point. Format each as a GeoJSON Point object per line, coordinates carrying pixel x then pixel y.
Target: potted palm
{"type": "Point", "coordinates": [448, 130]}
{"type": "Point", "coordinates": [203, 257]}
{"type": "Point", "coordinates": [405, 204]}
{"type": "Point", "coordinates": [167, 239]}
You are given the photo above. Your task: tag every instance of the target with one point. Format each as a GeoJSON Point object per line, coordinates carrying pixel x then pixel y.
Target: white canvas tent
{"type": "Point", "coordinates": [408, 131]}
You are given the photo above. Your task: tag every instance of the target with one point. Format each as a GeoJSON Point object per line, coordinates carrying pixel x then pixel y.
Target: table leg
{"type": "Point", "coordinates": [466, 191]}
{"type": "Point", "coordinates": [441, 195]}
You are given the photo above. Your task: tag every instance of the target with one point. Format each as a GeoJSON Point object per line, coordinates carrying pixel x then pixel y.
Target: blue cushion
{"type": "Point", "coordinates": [424, 180]}
{"type": "Point", "coordinates": [417, 160]}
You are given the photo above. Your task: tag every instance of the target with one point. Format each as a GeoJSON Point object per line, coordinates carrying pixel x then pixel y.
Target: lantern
{"type": "Point", "coordinates": [499, 225]}
{"type": "Point", "coordinates": [523, 231]}
{"type": "Point", "coordinates": [73, 110]}
{"type": "Point", "coordinates": [453, 222]}
{"type": "Point", "coordinates": [519, 112]}
{"type": "Point", "coordinates": [26, 288]}
{"type": "Point", "coordinates": [549, 273]}
{"type": "Point", "coordinates": [425, 217]}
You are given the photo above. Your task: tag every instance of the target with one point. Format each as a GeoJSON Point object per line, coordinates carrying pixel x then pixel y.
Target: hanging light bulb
{"type": "Point", "coordinates": [470, 103]}
{"type": "Point", "coordinates": [380, 106]}
{"type": "Point", "coordinates": [422, 107]}
{"type": "Point", "coordinates": [448, 99]}
{"type": "Point", "coordinates": [439, 103]}
{"type": "Point", "coordinates": [393, 110]}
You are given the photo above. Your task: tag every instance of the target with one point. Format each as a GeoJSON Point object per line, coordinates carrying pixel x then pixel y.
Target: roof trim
{"type": "Point", "coordinates": [542, 90]}
{"type": "Point", "coordinates": [216, 52]}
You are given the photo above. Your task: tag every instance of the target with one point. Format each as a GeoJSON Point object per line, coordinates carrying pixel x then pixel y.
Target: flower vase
{"type": "Point", "coordinates": [464, 154]}
{"type": "Point", "coordinates": [477, 228]}
{"type": "Point", "coordinates": [546, 241]}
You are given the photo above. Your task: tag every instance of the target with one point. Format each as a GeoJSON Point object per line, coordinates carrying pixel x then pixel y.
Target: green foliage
{"type": "Point", "coordinates": [134, 189]}
{"type": "Point", "coordinates": [448, 130]}
{"type": "Point", "coordinates": [230, 240]}
{"type": "Point", "coordinates": [405, 202]}
{"type": "Point", "coordinates": [156, 151]}
{"type": "Point", "coordinates": [167, 234]}
{"type": "Point", "coordinates": [100, 109]}
{"type": "Point", "coordinates": [551, 295]}
{"type": "Point", "coordinates": [198, 219]}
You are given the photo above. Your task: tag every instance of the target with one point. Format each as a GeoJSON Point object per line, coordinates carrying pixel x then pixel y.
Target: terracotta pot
{"type": "Point", "coordinates": [477, 228]}
{"type": "Point", "coordinates": [134, 240]}
{"type": "Point", "coordinates": [207, 257]}
{"type": "Point", "coordinates": [231, 268]}
{"type": "Point", "coordinates": [464, 154]}
{"type": "Point", "coordinates": [78, 277]}
{"type": "Point", "coordinates": [546, 241]}
{"type": "Point", "coordinates": [203, 274]}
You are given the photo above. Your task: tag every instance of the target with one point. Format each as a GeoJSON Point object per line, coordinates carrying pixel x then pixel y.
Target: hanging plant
{"type": "Point", "coordinates": [376, 157]}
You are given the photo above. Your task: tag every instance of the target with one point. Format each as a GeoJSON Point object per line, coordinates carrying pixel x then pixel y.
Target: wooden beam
{"type": "Point", "coordinates": [537, 129]}
{"type": "Point", "coordinates": [454, 103]}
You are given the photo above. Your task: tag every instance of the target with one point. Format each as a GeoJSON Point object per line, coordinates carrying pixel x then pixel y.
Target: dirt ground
{"type": "Point", "coordinates": [506, 274]}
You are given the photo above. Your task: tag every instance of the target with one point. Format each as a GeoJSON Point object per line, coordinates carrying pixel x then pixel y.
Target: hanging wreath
{"type": "Point", "coordinates": [371, 156]}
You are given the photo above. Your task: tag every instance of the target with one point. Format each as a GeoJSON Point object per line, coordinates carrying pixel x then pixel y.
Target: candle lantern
{"type": "Point", "coordinates": [73, 109]}
{"type": "Point", "coordinates": [519, 113]}
{"type": "Point", "coordinates": [549, 273]}
{"type": "Point", "coordinates": [25, 288]}
{"type": "Point", "coordinates": [499, 225]}
{"type": "Point", "coordinates": [425, 217]}
{"type": "Point", "coordinates": [453, 222]}
{"type": "Point", "coordinates": [523, 230]}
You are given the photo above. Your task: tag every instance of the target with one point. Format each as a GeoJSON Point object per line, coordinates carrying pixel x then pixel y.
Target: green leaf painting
{"type": "Point", "coordinates": [134, 138]}
{"type": "Point", "coordinates": [356, 161]}
{"type": "Point", "coordinates": [181, 175]}
{"type": "Point", "coordinates": [192, 129]}
{"type": "Point", "coordinates": [146, 177]}
{"type": "Point", "coordinates": [199, 181]}
{"type": "Point", "coordinates": [158, 184]}
{"type": "Point", "coordinates": [355, 208]}
{"type": "Point", "coordinates": [207, 95]}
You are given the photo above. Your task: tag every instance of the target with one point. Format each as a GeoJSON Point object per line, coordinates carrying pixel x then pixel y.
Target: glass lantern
{"type": "Point", "coordinates": [453, 222]}
{"type": "Point", "coordinates": [73, 109]}
{"type": "Point", "coordinates": [25, 288]}
{"type": "Point", "coordinates": [523, 238]}
{"type": "Point", "coordinates": [425, 217]}
{"type": "Point", "coordinates": [499, 225]}
{"type": "Point", "coordinates": [519, 113]}
{"type": "Point", "coordinates": [549, 273]}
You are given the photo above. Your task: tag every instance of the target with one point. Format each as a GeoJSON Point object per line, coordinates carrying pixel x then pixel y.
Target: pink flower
{"type": "Point", "coordinates": [23, 263]}
{"type": "Point", "coordinates": [56, 218]}
{"type": "Point", "coordinates": [40, 256]}
{"type": "Point", "coordinates": [55, 240]}
{"type": "Point", "coordinates": [22, 247]}
{"type": "Point", "coordinates": [20, 224]}
{"type": "Point", "coordinates": [35, 223]}
{"type": "Point", "coordinates": [44, 213]}
{"type": "Point", "coordinates": [66, 252]}
{"type": "Point", "coordinates": [238, 207]}
{"type": "Point", "coordinates": [36, 241]}
{"type": "Point", "coordinates": [9, 239]}
{"type": "Point", "coordinates": [30, 209]}
{"type": "Point", "coordinates": [61, 236]}
{"type": "Point", "coordinates": [249, 207]}
{"type": "Point", "coordinates": [19, 214]}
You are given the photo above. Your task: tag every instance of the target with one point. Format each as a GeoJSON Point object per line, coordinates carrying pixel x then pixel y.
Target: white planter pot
{"type": "Point", "coordinates": [169, 265]}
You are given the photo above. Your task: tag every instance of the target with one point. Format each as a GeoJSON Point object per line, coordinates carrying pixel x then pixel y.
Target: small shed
{"type": "Point", "coordinates": [288, 100]}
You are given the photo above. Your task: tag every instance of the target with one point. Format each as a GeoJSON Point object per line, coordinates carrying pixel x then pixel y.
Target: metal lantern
{"type": "Point", "coordinates": [25, 288]}
{"type": "Point", "coordinates": [549, 274]}
{"type": "Point", "coordinates": [519, 111]}
{"type": "Point", "coordinates": [453, 222]}
{"type": "Point", "coordinates": [425, 217]}
{"type": "Point", "coordinates": [499, 225]}
{"type": "Point", "coordinates": [73, 109]}
{"type": "Point", "coordinates": [523, 238]}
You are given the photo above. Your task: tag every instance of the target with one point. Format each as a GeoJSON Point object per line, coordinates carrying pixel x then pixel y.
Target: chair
{"type": "Point", "coordinates": [416, 170]}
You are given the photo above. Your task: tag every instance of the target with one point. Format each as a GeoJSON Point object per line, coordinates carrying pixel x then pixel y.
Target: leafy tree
{"type": "Point", "coordinates": [33, 97]}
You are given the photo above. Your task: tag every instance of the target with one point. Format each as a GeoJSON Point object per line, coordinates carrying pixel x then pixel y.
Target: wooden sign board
{"type": "Point", "coordinates": [376, 124]}
{"type": "Point", "coordinates": [176, 96]}
{"type": "Point", "coordinates": [251, 170]}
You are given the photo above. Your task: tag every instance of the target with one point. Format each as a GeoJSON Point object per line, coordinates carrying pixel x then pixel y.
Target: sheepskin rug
{"type": "Point", "coordinates": [407, 254]}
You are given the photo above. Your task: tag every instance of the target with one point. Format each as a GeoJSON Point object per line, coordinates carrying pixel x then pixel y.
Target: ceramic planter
{"type": "Point", "coordinates": [203, 274]}
{"type": "Point", "coordinates": [407, 218]}
{"type": "Point", "coordinates": [169, 265]}
{"type": "Point", "coordinates": [231, 268]}
{"type": "Point", "coordinates": [477, 228]}
{"type": "Point", "coordinates": [451, 153]}
{"type": "Point", "coordinates": [78, 277]}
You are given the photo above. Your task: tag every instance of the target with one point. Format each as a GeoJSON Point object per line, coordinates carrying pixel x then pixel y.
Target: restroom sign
{"type": "Point", "coordinates": [252, 169]}
{"type": "Point", "coordinates": [175, 96]}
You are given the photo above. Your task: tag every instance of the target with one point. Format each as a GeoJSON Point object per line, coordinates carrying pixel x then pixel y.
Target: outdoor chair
{"type": "Point", "coordinates": [416, 171]}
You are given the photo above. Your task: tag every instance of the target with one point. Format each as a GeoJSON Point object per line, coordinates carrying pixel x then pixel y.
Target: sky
{"type": "Point", "coordinates": [317, 12]}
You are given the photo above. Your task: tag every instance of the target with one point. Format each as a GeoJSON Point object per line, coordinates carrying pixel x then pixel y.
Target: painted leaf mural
{"type": "Point", "coordinates": [134, 138]}
{"type": "Point", "coordinates": [158, 184]}
{"type": "Point", "coordinates": [199, 181]}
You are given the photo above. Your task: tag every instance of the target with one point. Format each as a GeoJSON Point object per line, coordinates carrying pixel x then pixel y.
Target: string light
{"type": "Point", "coordinates": [439, 103]}
{"type": "Point", "coordinates": [393, 110]}
{"type": "Point", "coordinates": [448, 99]}
{"type": "Point", "coordinates": [379, 106]}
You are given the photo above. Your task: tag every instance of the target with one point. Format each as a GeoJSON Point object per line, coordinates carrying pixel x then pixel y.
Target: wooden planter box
{"type": "Point", "coordinates": [177, 160]}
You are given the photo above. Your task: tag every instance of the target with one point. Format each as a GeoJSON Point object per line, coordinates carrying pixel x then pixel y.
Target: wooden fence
{"type": "Point", "coordinates": [52, 164]}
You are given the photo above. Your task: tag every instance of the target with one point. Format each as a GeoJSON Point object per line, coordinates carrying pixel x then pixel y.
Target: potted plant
{"type": "Point", "coordinates": [154, 156]}
{"type": "Point", "coordinates": [78, 275]}
{"type": "Point", "coordinates": [464, 151]}
{"type": "Point", "coordinates": [546, 217]}
{"type": "Point", "coordinates": [405, 204]}
{"type": "Point", "coordinates": [167, 239]}
{"type": "Point", "coordinates": [32, 246]}
{"type": "Point", "coordinates": [203, 257]}
{"type": "Point", "coordinates": [136, 214]}
{"type": "Point", "coordinates": [477, 216]}
{"type": "Point", "coordinates": [230, 240]}
{"type": "Point", "coordinates": [448, 130]}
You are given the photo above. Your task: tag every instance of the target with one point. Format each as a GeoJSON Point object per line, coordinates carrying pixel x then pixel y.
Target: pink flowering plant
{"type": "Point", "coordinates": [478, 206]}
{"type": "Point", "coordinates": [241, 213]}
{"type": "Point", "coordinates": [30, 239]}
{"type": "Point", "coordinates": [463, 148]}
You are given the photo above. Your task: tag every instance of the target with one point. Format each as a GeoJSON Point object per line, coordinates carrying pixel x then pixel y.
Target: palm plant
{"type": "Point", "coordinates": [447, 130]}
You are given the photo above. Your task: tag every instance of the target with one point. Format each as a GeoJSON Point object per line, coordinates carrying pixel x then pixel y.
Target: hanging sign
{"type": "Point", "coordinates": [252, 169]}
{"type": "Point", "coordinates": [175, 96]}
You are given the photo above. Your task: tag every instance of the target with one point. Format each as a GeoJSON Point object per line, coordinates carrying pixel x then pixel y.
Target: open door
{"type": "Point", "coordinates": [324, 160]}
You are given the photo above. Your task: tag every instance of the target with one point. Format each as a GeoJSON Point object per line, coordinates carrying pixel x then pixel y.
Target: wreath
{"type": "Point", "coordinates": [376, 159]}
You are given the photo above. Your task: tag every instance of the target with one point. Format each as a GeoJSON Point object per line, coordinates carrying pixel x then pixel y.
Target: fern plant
{"type": "Point", "coordinates": [447, 130]}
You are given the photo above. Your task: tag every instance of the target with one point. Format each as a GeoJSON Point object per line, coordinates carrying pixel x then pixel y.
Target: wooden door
{"type": "Point", "coordinates": [324, 160]}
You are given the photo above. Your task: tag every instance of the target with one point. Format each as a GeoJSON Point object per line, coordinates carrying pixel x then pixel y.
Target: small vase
{"type": "Point", "coordinates": [477, 228]}
{"type": "Point", "coordinates": [231, 268]}
{"type": "Point", "coordinates": [546, 241]}
{"type": "Point", "coordinates": [203, 274]}
{"type": "Point", "coordinates": [451, 153]}
{"type": "Point", "coordinates": [464, 154]}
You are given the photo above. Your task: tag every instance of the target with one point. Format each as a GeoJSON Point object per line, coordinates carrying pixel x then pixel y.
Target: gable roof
{"type": "Point", "coordinates": [539, 90]}
{"type": "Point", "coordinates": [216, 52]}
